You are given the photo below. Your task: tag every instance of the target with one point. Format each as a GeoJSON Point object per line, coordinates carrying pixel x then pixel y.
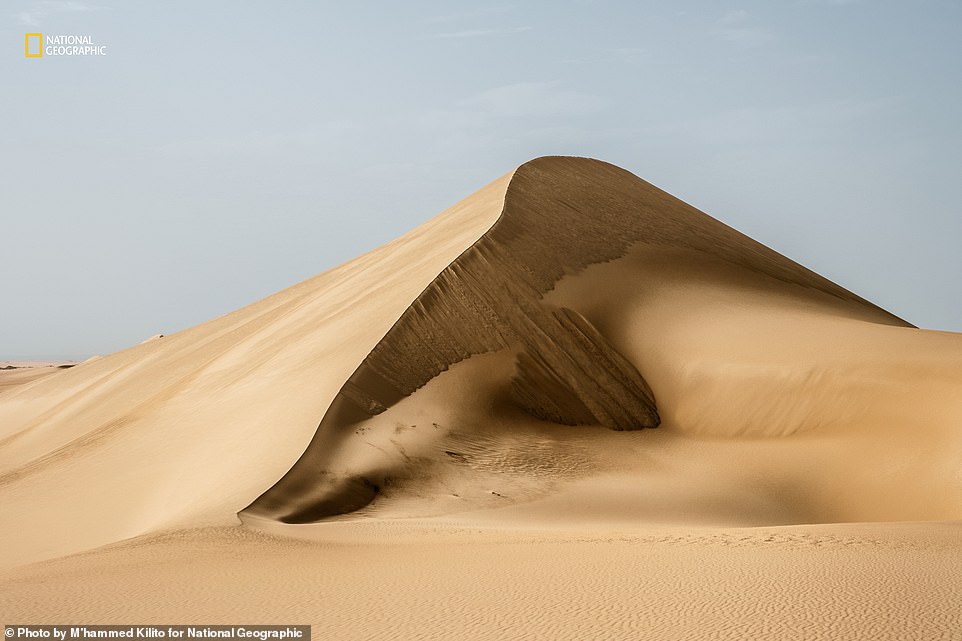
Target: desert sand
{"type": "Point", "coordinates": [571, 406]}
{"type": "Point", "coordinates": [14, 373]}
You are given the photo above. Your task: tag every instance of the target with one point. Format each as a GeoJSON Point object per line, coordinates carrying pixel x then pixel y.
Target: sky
{"type": "Point", "coordinates": [222, 151]}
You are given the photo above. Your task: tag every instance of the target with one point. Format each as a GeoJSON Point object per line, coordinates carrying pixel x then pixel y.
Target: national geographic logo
{"type": "Point", "coordinates": [35, 45]}
{"type": "Point", "coordinates": [33, 42]}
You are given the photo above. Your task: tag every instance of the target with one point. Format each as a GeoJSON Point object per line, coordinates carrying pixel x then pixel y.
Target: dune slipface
{"type": "Point", "coordinates": [560, 216]}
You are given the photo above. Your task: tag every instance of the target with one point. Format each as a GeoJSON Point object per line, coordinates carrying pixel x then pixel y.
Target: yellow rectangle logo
{"type": "Point", "coordinates": [38, 39]}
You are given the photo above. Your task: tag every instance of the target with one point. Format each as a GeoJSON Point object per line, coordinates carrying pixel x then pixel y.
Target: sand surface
{"type": "Point", "coordinates": [460, 422]}
{"type": "Point", "coordinates": [412, 580]}
{"type": "Point", "coordinates": [16, 373]}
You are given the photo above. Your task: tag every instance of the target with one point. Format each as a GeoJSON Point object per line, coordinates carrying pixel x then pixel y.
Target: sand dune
{"type": "Point", "coordinates": [14, 373]}
{"type": "Point", "coordinates": [473, 393]}
{"type": "Point", "coordinates": [195, 426]}
{"type": "Point", "coordinates": [780, 350]}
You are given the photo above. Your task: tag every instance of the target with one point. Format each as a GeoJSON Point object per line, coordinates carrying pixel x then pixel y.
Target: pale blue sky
{"type": "Point", "coordinates": [222, 151]}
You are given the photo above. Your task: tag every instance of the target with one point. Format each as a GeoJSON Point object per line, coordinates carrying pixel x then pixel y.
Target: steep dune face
{"type": "Point", "coordinates": [560, 216]}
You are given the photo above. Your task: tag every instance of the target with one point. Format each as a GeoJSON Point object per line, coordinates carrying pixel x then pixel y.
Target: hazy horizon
{"type": "Point", "coordinates": [219, 153]}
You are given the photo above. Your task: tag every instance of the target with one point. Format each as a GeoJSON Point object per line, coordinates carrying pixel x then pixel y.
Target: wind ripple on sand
{"type": "Point", "coordinates": [411, 581]}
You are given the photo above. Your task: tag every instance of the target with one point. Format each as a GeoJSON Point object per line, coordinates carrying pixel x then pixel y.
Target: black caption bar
{"type": "Point", "coordinates": [178, 632]}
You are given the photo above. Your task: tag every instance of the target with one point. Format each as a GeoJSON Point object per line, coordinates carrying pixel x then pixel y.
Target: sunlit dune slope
{"type": "Point", "coordinates": [190, 428]}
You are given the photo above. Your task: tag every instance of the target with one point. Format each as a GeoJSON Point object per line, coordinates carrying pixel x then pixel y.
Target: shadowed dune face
{"type": "Point", "coordinates": [555, 292]}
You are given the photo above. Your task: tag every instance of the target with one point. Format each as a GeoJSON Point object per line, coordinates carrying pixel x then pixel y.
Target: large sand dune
{"type": "Point", "coordinates": [472, 393]}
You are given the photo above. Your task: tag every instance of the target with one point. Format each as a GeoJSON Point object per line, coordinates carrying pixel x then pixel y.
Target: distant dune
{"type": "Point", "coordinates": [571, 383]}
{"type": "Point", "coordinates": [15, 373]}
